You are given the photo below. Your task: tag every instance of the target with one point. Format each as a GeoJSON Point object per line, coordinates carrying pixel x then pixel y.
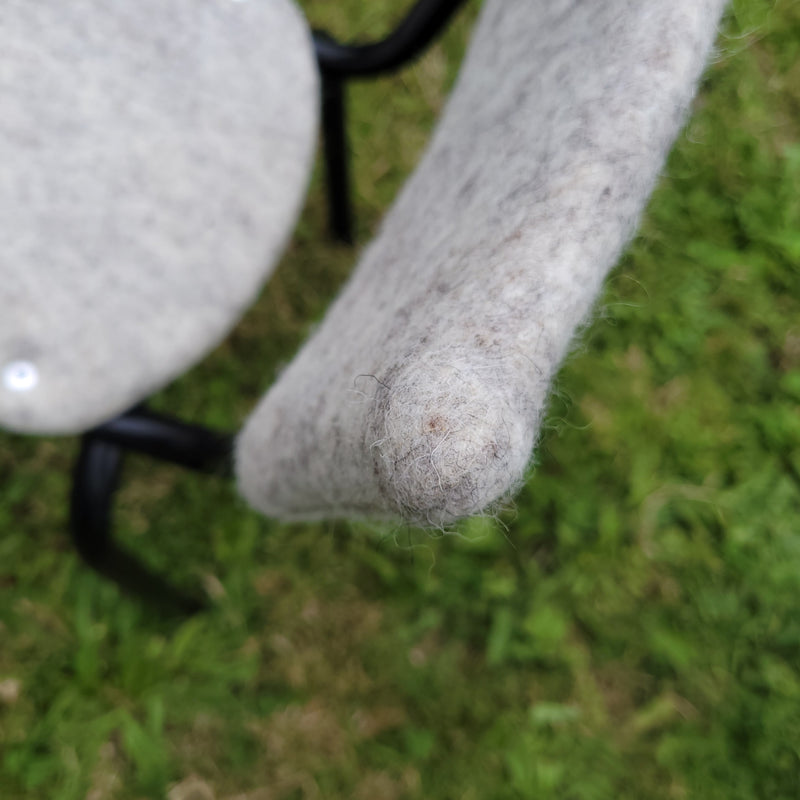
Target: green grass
{"type": "Point", "coordinates": [631, 629]}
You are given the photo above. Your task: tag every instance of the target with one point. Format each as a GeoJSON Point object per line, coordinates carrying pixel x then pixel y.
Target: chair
{"type": "Point", "coordinates": [419, 396]}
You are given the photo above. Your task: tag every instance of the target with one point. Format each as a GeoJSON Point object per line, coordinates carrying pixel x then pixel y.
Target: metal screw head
{"type": "Point", "coordinates": [20, 376]}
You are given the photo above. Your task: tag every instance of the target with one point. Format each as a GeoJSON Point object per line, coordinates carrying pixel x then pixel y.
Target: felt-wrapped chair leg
{"type": "Point", "coordinates": [420, 394]}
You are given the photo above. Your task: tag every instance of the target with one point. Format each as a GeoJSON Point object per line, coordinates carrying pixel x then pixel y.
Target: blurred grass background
{"type": "Point", "coordinates": [630, 629]}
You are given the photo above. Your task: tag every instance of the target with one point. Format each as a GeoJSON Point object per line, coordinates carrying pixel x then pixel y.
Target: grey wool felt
{"type": "Point", "coordinates": [153, 158]}
{"type": "Point", "coordinates": [420, 395]}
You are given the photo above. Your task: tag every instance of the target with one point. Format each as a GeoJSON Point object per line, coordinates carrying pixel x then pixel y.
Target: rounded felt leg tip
{"type": "Point", "coordinates": [439, 441]}
{"type": "Point", "coordinates": [447, 444]}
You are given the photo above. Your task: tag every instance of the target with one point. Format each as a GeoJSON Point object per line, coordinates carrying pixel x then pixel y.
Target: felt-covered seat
{"type": "Point", "coordinates": [420, 394]}
{"type": "Point", "coordinates": [153, 158]}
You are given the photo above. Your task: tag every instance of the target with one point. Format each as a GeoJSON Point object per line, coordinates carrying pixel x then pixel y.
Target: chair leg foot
{"type": "Point", "coordinates": [95, 480]}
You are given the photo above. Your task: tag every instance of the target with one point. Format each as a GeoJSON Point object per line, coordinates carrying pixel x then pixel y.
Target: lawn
{"type": "Point", "coordinates": [628, 629]}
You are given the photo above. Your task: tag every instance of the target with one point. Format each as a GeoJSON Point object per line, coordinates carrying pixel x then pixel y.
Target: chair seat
{"type": "Point", "coordinates": [154, 156]}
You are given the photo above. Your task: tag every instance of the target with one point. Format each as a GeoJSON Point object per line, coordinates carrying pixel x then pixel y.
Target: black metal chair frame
{"type": "Point", "coordinates": [98, 467]}
{"type": "Point", "coordinates": [340, 63]}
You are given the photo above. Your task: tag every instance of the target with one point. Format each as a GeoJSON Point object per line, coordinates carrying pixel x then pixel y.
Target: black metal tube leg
{"type": "Point", "coordinates": [95, 480]}
{"type": "Point", "coordinates": [337, 161]}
